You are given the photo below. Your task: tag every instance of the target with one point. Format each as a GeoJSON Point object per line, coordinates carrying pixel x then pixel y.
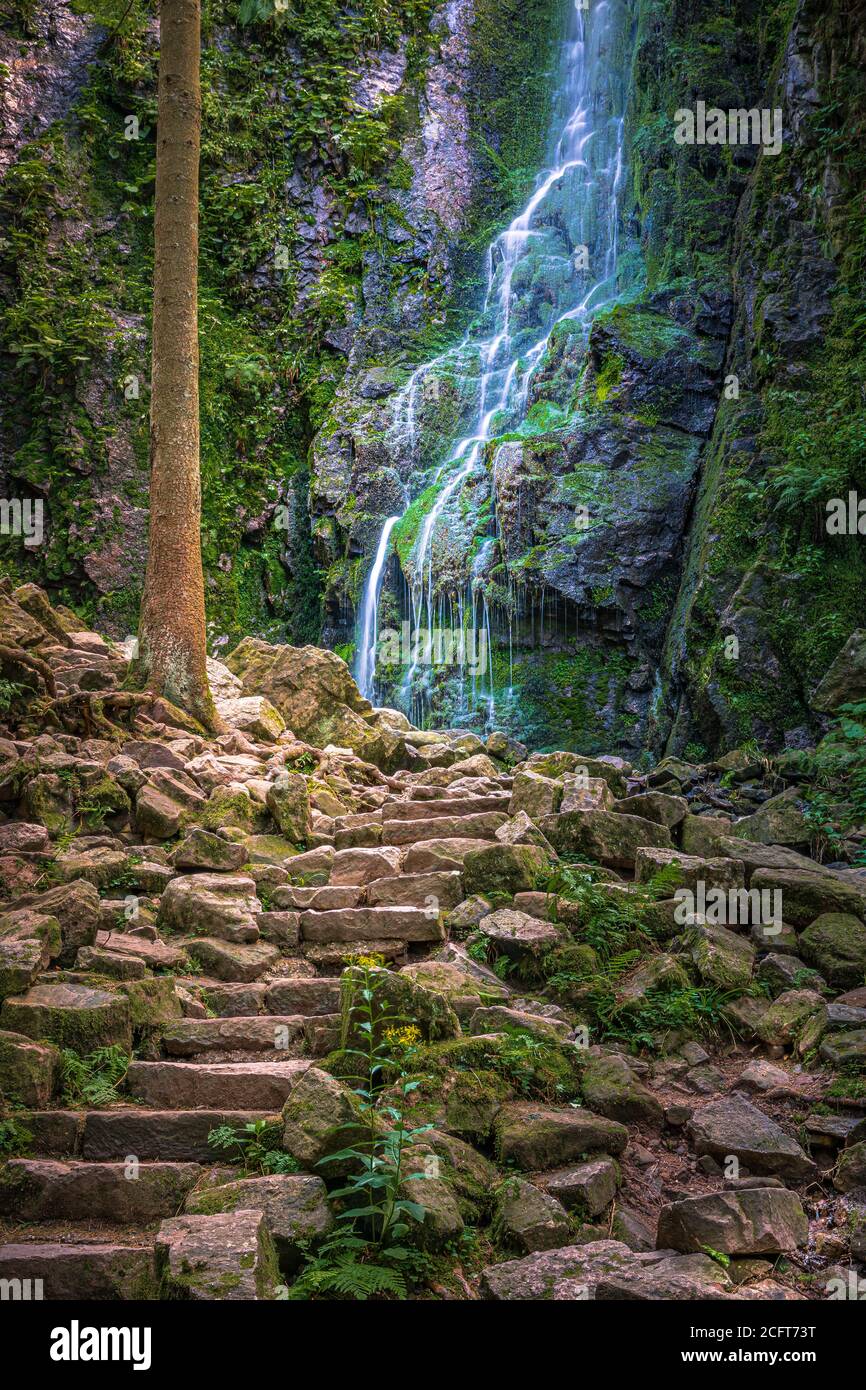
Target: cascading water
{"type": "Point", "coordinates": [366, 658]}
{"type": "Point", "coordinates": [566, 239]}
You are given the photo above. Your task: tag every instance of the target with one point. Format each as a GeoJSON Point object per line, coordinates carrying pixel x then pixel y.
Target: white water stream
{"type": "Point", "coordinates": [575, 204]}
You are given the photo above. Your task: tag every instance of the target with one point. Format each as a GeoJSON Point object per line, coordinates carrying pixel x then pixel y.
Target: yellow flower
{"type": "Point", "coordinates": [407, 1036]}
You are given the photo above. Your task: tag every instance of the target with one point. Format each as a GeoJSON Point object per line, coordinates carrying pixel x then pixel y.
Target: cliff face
{"type": "Point", "coordinates": [661, 489]}
{"type": "Point", "coordinates": [761, 565]}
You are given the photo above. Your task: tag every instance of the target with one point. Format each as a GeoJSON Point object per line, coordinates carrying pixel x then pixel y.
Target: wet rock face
{"type": "Point", "coordinates": [788, 311]}
{"type": "Point", "coordinates": [44, 68]}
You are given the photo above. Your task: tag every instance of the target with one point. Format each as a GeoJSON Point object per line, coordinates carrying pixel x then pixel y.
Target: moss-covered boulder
{"type": "Point", "coordinates": [28, 1070]}
{"type": "Point", "coordinates": [851, 1169]}
{"type": "Point", "coordinates": [288, 801]}
{"type": "Point", "coordinates": [77, 908]}
{"type": "Point", "coordinates": [294, 1204]}
{"type": "Point", "coordinates": [721, 957]}
{"type": "Point", "coordinates": [797, 1019]}
{"type": "Point", "coordinates": [535, 794]}
{"type": "Point", "coordinates": [612, 839]}
{"type": "Point", "coordinates": [535, 1137]}
{"type": "Point", "coordinates": [810, 893]}
{"type": "Point", "coordinates": [835, 944]}
{"type": "Point", "coordinates": [528, 1219]}
{"type": "Point", "coordinates": [408, 1002]}
{"type": "Point", "coordinates": [316, 696]}
{"type": "Point", "coordinates": [226, 1256]}
{"type": "Point", "coordinates": [204, 851]}
{"type": "Point", "coordinates": [611, 1089]}
{"type": "Point", "coordinates": [779, 821]}
{"type": "Point", "coordinates": [71, 1015]}
{"type": "Point", "coordinates": [321, 1117]}
{"type": "Point", "coordinates": [506, 869]}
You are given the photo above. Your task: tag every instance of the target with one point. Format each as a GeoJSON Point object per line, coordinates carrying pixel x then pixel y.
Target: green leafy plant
{"type": "Point", "coordinates": [255, 1145]}
{"type": "Point", "coordinates": [93, 1080]}
{"type": "Point", "coordinates": [366, 1255]}
{"type": "Point", "coordinates": [14, 1138]}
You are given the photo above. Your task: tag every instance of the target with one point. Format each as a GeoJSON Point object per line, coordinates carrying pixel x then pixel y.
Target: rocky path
{"type": "Point", "coordinates": [190, 905]}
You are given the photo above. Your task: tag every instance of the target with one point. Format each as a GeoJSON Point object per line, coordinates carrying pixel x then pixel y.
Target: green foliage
{"type": "Point", "coordinates": [538, 1068]}
{"type": "Point", "coordinates": [255, 1145]}
{"type": "Point", "coordinates": [692, 1011]}
{"type": "Point", "coordinates": [10, 694]}
{"type": "Point", "coordinates": [366, 1256]}
{"type": "Point", "coordinates": [15, 1138]}
{"type": "Point", "coordinates": [94, 1080]}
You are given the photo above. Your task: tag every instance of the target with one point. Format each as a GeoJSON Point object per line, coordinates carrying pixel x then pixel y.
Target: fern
{"type": "Point", "coordinates": [93, 1080]}
{"type": "Point", "coordinates": [347, 1267]}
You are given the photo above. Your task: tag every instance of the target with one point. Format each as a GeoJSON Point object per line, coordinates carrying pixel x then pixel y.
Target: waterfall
{"type": "Point", "coordinates": [573, 209]}
{"type": "Point", "coordinates": [365, 665]}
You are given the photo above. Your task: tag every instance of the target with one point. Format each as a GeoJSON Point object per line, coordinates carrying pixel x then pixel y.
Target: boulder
{"type": "Point", "coordinates": [28, 1070]}
{"type": "Point", "coordinates": [320, 1117]}
{"type": "Point", "coordinates": [294, 1205]}
{"type": "Point", "coordinates": [721, 957]}
{"type": "Point", "coordinates": [797, 1018]}
{"type": "Point", "coordinates": [844, 682]}
{"type": "Point", "coordinates": [610, 1088]}
{"type": "Point", "coordinates": [203, 851]}
{"type": "Point", "coordinates": [850, 1171]}
{"type": "Point", "coordinates": [314, 693]}
{"type": "Point", "coordinates": [76, 907]}
{"type": "Point", "coordinates": [538, 796]}
{"type": "Point", "coordinates": [570, 1272]}
{"type": "Point", "coordinates": [503, 869]}
{"type": "Point", "coordinates": [534, 1137]}
{"type": "Point", "coordinates": [220, 906]}
{"type": "Point", "coordinates": [654, 806]}
{"type": "Point", "coordinates": [517, 936]}
{"type": "Point", "coordinates": [779, 821]}
{"type": "Point", "coordinates": [288, 801]}
{"type": "Point", "coordinates": [835, 943]}
{"type": "Point", "coordinates": [528, 1219]}
{"type": "Point", "coordinates": [229, 1256]}
{"type": "Point", "coordinates": [588, 1187]}
{"type": "Point", "coordinates": [732, 1126]}
{"type": "Point", "coordinates": [807, 894]}
{"type": "Point", "coordinates": [749, 1221]}
{"type": "Point", "coordinates": [70, 1015]}
{"type": "Point", "coordinates": [611, 838]}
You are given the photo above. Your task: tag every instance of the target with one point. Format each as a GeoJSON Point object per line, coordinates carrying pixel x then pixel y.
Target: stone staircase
{"type": "Point", "coordinates": [262, 1000]}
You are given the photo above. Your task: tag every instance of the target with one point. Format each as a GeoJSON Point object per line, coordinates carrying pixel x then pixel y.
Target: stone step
{"type": "Point", "coordinates": [372, 923]}
{"type": "Point", "coordinates": [482, 826]}
{"type": "Point", "coordinates": [44, 1189]}
{"type": "Point", "coordinates": [326, 898]}
{"type": "Point", "coordinates": [305, 996]}
{"type": "Point", "coordinates": [82, 1273]}
{"type": "Point", "coordinates": [191, 1037]}
{"type": "Point", "coordinates": [310, 998]}
{"type": "Point", "coordinates": [450, 806]}
{"type": "Point", "coordinates": [209, 1085]}
{"type": "Point", "coordinates": [167, 1135]}
{"type": "Point", "coordinates": [439, 856]}
{"type": "Point", "coordinates": [442, 890]}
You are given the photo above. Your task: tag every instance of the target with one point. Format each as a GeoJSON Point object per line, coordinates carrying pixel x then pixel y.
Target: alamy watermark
{"type": "Point", "coordinates": [23, 517]}
{"type": "Point", "coordinates": [711, 126]}
{"type": "Point", "coordinates": [437, 646]}
{"type": "Point", "coordinates": [728, 907]}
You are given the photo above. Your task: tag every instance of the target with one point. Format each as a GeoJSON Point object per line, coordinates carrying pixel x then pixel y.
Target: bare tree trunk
{"type": "Point", "coordinates": [172, 650]}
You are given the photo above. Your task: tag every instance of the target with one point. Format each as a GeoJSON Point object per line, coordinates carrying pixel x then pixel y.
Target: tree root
{"type": "Point", "coordinates": [31, 663]}
{"type": "Point", "coordinates": [89, 706]}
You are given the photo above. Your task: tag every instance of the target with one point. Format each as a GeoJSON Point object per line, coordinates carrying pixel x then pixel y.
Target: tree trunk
{"type": "Point", "coordinates": [172, 653]}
